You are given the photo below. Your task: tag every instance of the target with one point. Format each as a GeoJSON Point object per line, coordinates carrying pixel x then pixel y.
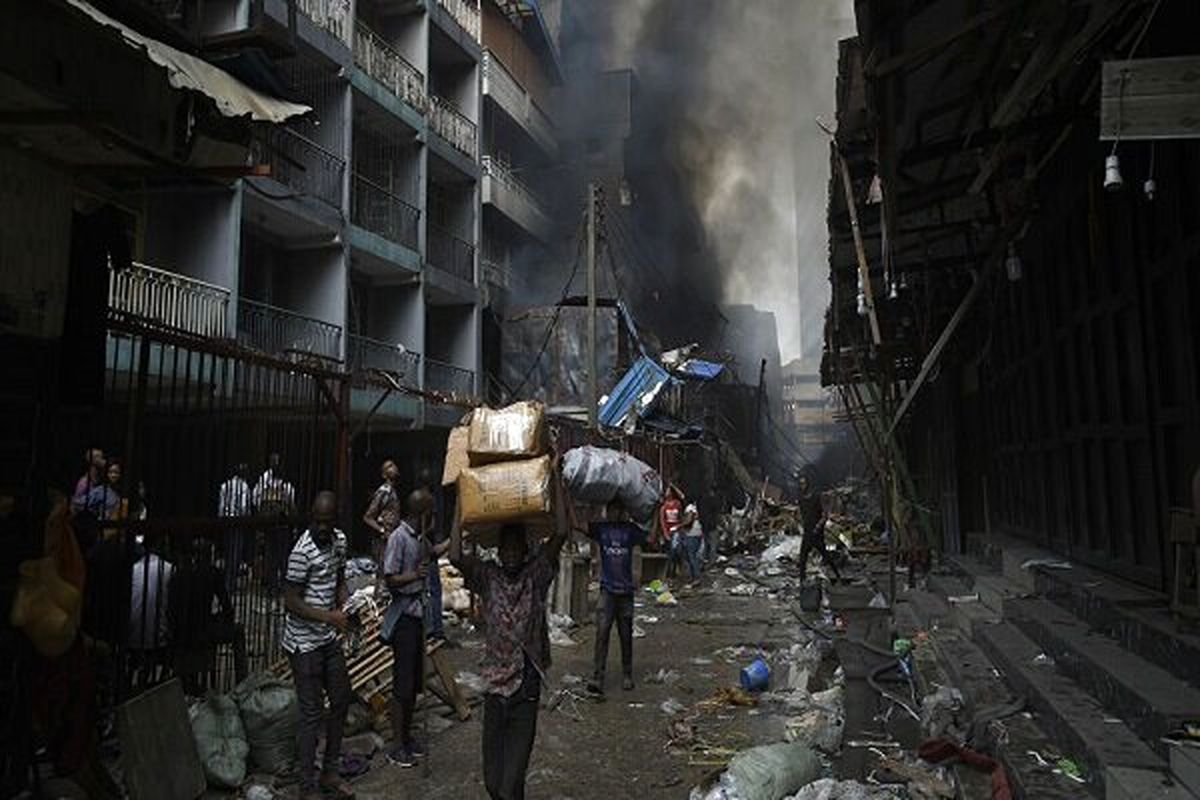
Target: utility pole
{"type": "Point", "coordinates": [593, 393]}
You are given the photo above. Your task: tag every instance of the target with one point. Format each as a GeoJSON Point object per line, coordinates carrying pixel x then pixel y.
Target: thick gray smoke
{"type": "Point", "coordinates": [730, 90]}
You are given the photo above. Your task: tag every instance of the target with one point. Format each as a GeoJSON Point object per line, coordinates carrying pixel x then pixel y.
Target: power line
{"type": "Point", "coordinates": [553, 319]}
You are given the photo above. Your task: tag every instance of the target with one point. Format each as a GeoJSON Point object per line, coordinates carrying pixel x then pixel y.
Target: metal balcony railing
{"type": "Point", "coordinates": [499, 171]}
{"type": "Point", "coordinates": [169, 299]}
{"type": "Point", "coordinates": [450, 123]}
{"type": "Point", "coordinates": [499, 84]}
{"type": "Point", "coordinates": [278, 330]}
{"type": "Point", "coordinates": [300, 163]}
{"type": "Point", "coordinates": [332, 15]}
{"type": "Point", "coordinates": [366, 353]}
{"type": "Point", "coordinates": [384, 63]}
{"type": "Point", "coordinates": [466, 14]}
{"type": "Point", "coordinates": [379, 211]}
{"type": "Point", "coordinates": [451, 254]}
{"type": "Point", "coordinates": [449, 378]}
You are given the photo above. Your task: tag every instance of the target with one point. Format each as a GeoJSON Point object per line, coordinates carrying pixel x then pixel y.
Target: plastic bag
{"type": "Point", "coordinates": [770, 772]}
{"type": "Point", "coordinates": [220, 740]}
{"type": "Point", "coordinates": [599, 475]}
{"type": "Point", "coordinates": [270, 715]}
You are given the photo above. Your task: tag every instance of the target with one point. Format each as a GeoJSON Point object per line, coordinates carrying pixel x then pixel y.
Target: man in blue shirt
{"type": "Point", "coordinates": [616, 537]}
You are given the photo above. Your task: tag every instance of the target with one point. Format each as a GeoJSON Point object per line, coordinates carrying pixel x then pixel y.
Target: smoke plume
{"type": "Point", "coordinates": [728, 92]}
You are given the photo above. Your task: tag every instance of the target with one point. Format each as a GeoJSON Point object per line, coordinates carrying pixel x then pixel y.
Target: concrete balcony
{"type": "Point", "coordinates": [279, 331]}
{"type": "Point", "coordinates": [377, 210]}
{"type": "Point", "coordinates": [381, 61]}
{"type": "Point", "coordinates": [300, 164]}
{"type": "Point", "coordinates": [510, 96]}
{"type": "Point", "coordinates": [495, 274]}
{"type": "Point", "coordinates": [453, 126]}
{"type": "Point", "coordinates": [450, 253]}
{"type": "Point", "coordinates": [364, 353]}
{"type": "Point", "coordinates": [508, 195]}
{"type": "Point", "coordinates": [466, 14]}
{"type": "Point", "coordinates": [154, 295]}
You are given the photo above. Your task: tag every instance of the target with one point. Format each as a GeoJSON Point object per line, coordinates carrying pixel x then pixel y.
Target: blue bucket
{"type": "Point", "coordinates": [757, 676]}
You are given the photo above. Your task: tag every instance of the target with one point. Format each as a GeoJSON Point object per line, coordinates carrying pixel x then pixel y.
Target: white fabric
{"type": "Point", "coordinates": [150, 578]}
{"type": "Point", "coordinates": [184, 71]}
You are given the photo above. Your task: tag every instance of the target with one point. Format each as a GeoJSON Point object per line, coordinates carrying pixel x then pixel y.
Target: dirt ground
{"type": "Point", "coordinates": [619, 748]}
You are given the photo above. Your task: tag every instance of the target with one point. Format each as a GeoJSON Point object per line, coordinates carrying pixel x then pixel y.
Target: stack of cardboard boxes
{"type": "Point", "coordinates": [501, 467]}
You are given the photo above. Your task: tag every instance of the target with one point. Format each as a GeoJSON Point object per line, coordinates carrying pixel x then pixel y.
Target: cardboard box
{"type": "Point", "coordinates": [456, 455]}
{"type": "Point", "coordinates": [507, 434]}
{"type": "Point", "coordinates": [511, 491]}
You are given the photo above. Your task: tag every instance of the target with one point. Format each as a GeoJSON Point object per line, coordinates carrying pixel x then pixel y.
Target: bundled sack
{"type": "Point", "coordinates": [220, 740]}
{"type": "Point", "coordinates": [512, 491]}
{"type": "Point", "coordinates": [270, 715]}
{"type": "Point", "coordinates": [506, 434]}
{"type": "Point", "coordinates": [456, 455]}
{"type": "Point", "coordinates": [45, 607]}
{"type": "Point", "coordinates": [599, 475]}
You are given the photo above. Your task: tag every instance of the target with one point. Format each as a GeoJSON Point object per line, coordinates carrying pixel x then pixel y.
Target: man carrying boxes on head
{"type": "Point", "coordinates": [518, 495]}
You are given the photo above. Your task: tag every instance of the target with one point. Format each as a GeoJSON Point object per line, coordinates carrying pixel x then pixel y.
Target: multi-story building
{"type": "Point", "coordinates": [359, 242]}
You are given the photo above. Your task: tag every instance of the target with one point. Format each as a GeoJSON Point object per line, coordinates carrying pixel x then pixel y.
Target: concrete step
{"type": "Point", "coordinates": [1185, 765]}
{"type": "Point", "coordinates": [1079, 726]}
{"type": "Point", "coordinates": [969, 670]}
{"type": "Point", "coordinates": [953, 660]}
{"type": "Point", "coordinates": [1148, 698]}
{"type": "Point", "coordinates": [1128, 783]}
{"type": "Point", "coordinates": [1136, 618]}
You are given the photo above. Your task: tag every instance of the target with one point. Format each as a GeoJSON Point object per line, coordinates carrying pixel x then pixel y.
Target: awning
{"type": "Point", "coordinates": [184, 71]}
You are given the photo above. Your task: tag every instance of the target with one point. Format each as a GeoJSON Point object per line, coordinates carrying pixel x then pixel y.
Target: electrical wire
{"type": "Point", "coordinates": [1121, 86]}
{"type": "Point", "coordinates": [553, 319]}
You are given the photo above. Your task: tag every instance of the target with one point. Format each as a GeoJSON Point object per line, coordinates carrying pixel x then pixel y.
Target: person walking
{"type": "Point", "coordinates": [812, 522]}
{"type": "Point", "coordinates": [405, 567]}
{"type": "Point", "coordinates": [233, 502]}
{"type": "Point", "coordinates": [314, 593]}
{"type": "Point", "coordinates": [615, 537]}
{"type": "Point", "coordinates": [517, 647]}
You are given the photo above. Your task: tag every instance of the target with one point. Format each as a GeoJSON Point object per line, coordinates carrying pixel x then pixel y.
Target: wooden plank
{"type": "Point", "coordinates": [436, 657]}
{"type": "Point", "coordinates": [919, 53]}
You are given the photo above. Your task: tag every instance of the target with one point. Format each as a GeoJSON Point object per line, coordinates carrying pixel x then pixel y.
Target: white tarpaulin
{"type": "Point", "coordinates": [185, 71]}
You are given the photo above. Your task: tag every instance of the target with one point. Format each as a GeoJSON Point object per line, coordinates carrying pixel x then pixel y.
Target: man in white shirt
{"type": "Point", "coordinates": [149, 579]}
{"type": "Point", "coordinates": [233, 500]}
{"type": "Point", "coordinates": [274, 497]}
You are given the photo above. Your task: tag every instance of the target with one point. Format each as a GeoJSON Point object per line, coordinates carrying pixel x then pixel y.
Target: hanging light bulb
{"type": "Point", "coordinates": [1112, 173]}
{"type": "Point", "coordinates": [862, 304]}
{"type": "Point", "coordinates": [903, 280]}
{"type": "Point", "coordinates": [894, 293]}
{"type": "Point", "coordinates": [1012, 264]}
{"type": "Point", "coordinates": [1150, 188]}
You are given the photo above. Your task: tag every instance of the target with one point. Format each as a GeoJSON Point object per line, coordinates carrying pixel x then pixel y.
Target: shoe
{"type": "Point", "coordinates": [417, 750]}
{"type": "Point", "coordinates": [627, 683]}
{"type": "Point", "coordinates": [402, 757]}
{"type": "Point", "coordinates": [595, 687]}
{"type": "Point", "coordinates": [334, 786]}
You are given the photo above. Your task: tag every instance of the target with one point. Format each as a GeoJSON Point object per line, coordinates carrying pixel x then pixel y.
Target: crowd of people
{"type": "Point", "coordinates": [184, 607]}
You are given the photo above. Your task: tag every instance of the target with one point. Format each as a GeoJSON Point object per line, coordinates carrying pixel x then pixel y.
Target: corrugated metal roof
{"type": "Point", "coordinates": [185, 71]}
{"type": "Point", "coordinates": [634, 393]}
{"type": "Point", "coordinates": [699, 368]}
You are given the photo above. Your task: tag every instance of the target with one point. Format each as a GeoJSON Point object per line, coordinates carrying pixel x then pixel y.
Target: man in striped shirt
{"type": "Point", "coordinates": [314, 593]}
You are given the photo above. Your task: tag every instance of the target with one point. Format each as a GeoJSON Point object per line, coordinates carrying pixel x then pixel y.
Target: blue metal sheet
{"type": "Point", "coordinates": [699, 368]}
{"type": "Point", "coordinates": [635, 392]}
